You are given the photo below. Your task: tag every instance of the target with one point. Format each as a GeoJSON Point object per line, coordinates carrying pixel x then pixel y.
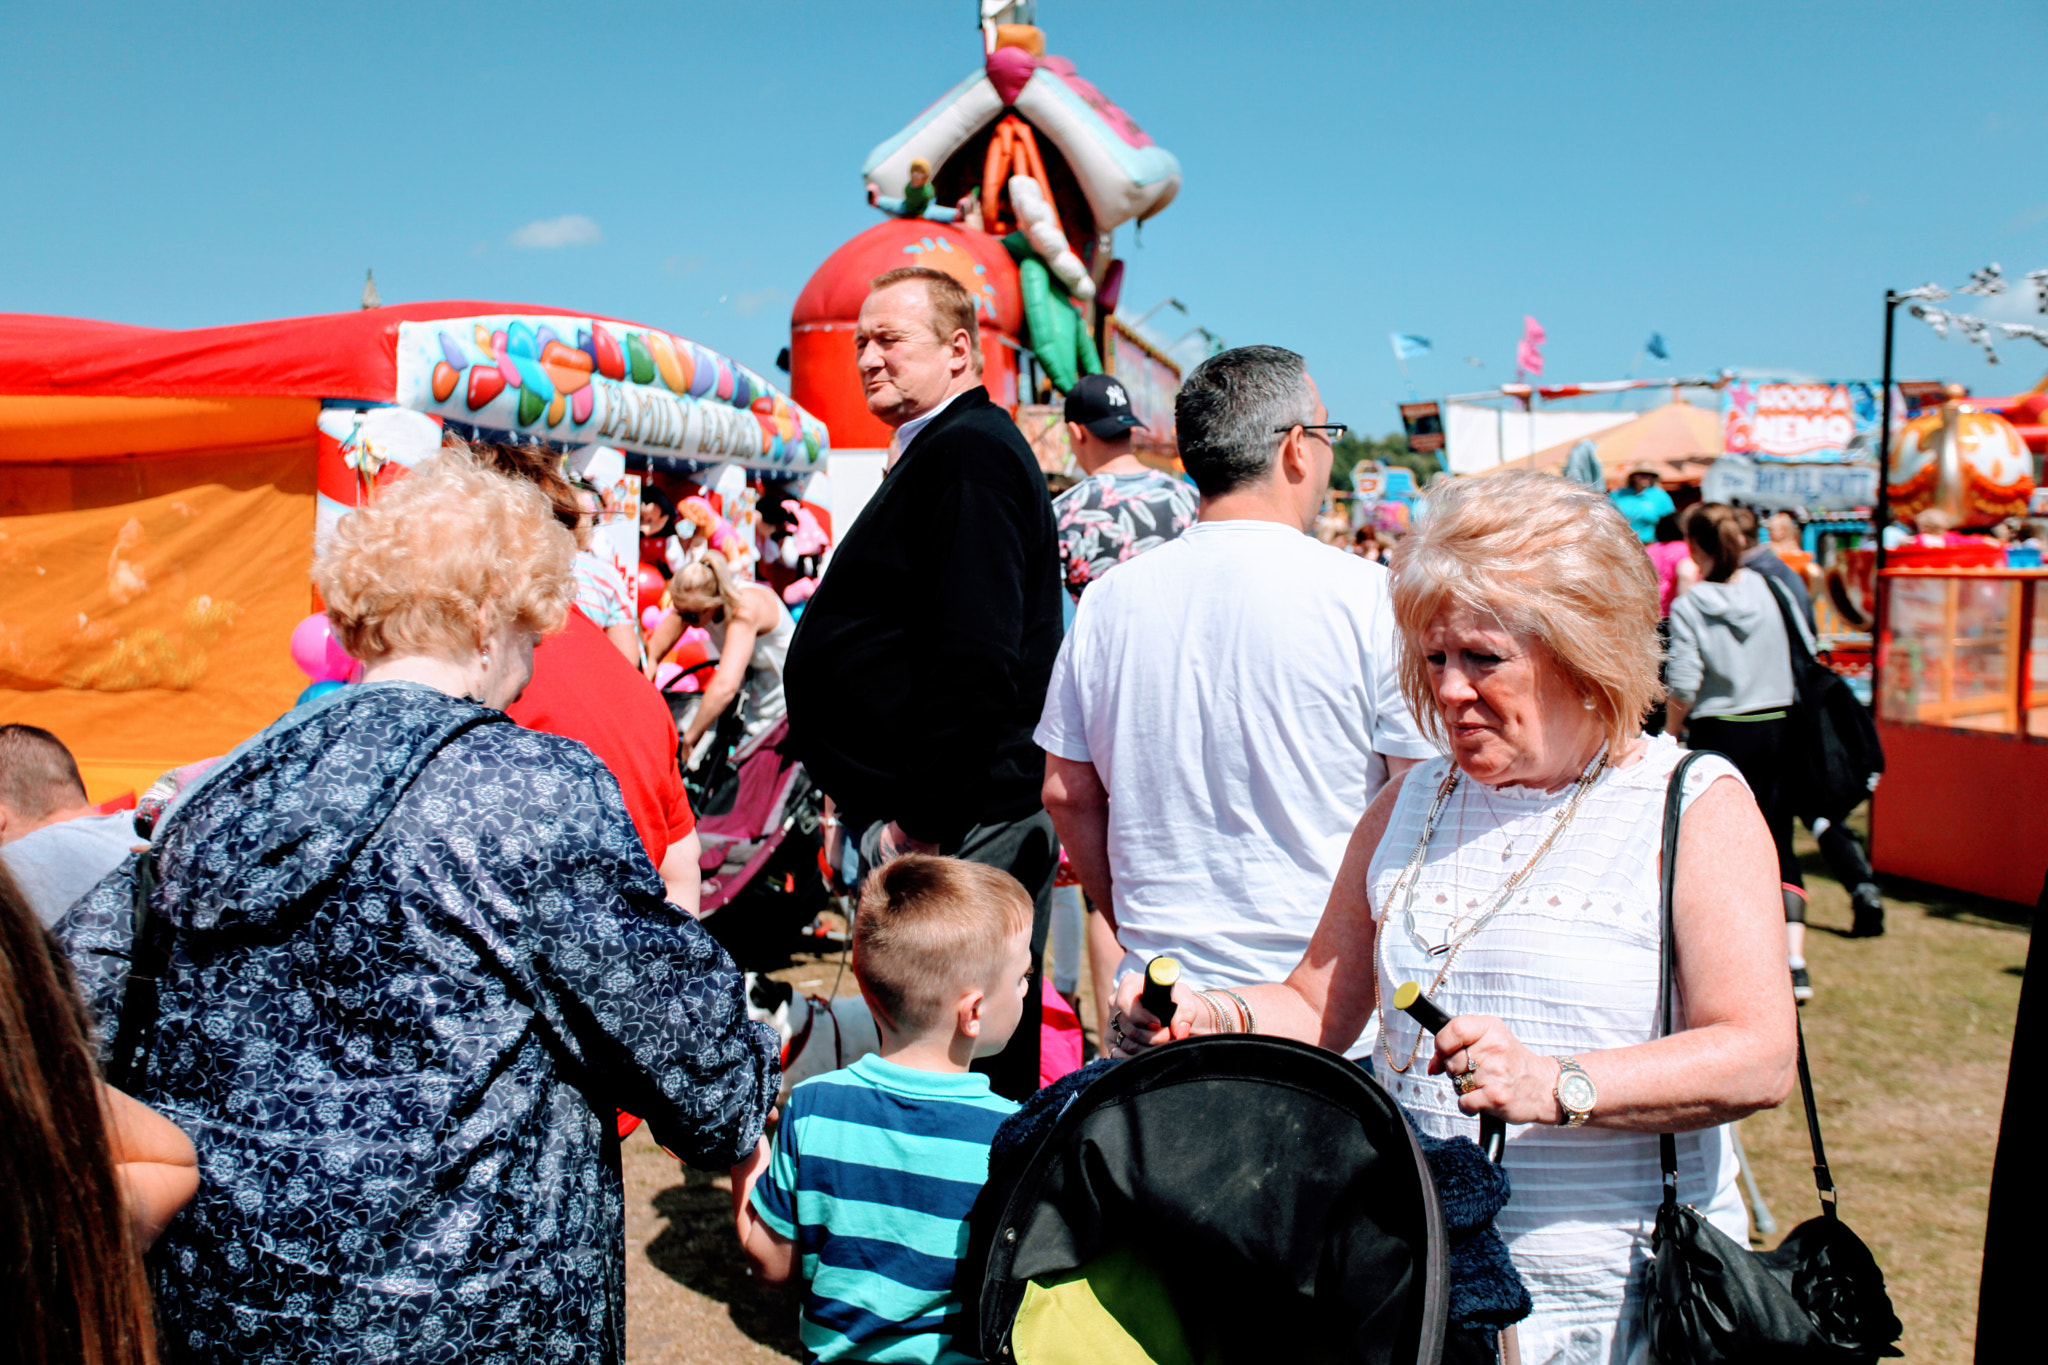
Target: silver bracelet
{"type": "Point", "coordinates": [1208, 1000]}
{"type": "Point", "coordinates": [1251, 1021]}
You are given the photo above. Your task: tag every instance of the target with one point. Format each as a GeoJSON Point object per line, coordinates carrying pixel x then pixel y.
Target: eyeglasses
{"type": "Point", "coordinates": [1332, 432]}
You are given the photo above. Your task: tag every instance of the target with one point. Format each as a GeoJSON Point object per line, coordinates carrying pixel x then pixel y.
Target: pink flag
{"type": "Point", "coordinates": [1529, 354]}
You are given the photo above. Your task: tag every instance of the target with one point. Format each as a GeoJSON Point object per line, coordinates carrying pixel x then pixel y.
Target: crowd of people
{"type": "Point", "coordinates": [389, 981]}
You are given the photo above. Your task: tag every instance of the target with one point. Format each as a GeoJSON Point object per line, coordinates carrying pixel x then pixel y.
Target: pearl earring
{"type": "Point", "coordinates": [487, 664]}
{"type": "Point", "coordinates": [1588, 700]}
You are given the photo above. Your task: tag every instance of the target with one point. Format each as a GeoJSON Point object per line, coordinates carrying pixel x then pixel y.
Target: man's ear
{"type": "Point", "coordinates": [1293, 457]}
{"type": "Point", "coordinates": [1076, 433]}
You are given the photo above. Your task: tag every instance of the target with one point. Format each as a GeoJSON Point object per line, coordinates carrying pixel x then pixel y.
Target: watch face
{"type": "Point", "coordinates": [1575, 1092]}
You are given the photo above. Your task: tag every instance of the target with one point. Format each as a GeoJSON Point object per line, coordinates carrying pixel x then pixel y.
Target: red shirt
{"type": "Point", "coordinates": [583, 689]}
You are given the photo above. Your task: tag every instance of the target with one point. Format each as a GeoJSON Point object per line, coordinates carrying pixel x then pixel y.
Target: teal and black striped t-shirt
{"type": "Point", "coordinates": [875, 1169]}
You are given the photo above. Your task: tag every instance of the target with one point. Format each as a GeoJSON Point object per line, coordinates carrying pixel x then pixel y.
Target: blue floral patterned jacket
{"type": "Point", "coordinates": [399, 1015]}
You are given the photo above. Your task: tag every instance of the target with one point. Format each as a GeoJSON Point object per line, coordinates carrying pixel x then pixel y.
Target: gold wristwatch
{"type": "Point", "coordinates": [1576, 1093]}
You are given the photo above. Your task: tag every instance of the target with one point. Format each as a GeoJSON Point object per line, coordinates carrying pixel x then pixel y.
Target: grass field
{"type": "Point", "coordinates": [1909, 1037]}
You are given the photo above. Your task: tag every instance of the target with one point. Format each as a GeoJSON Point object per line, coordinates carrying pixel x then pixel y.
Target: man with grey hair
{"type": "Point", "coordinates": [1225, 706]}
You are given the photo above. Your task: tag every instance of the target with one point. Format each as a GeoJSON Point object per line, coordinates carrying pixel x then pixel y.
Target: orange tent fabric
{"type": "Point", "coordinates": [146, 602]}
{"type": "Point", "coordinates": [1678, 439]}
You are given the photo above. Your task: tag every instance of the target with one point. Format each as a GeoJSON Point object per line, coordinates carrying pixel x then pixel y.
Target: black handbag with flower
{"type": "Point", "coordinates": [1819, 1297]}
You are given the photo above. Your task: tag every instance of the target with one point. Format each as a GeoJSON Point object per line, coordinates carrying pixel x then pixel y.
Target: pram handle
{"type": "Point", "coordinates": [1160, 975]}
{"type": "Point", "coordinates": [1409, 999]}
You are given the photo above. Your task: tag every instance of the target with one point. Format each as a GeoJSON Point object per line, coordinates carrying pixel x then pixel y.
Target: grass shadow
{"type": "Point", "coordinates": [697, 1250]}
{"type": "Point", "coordinates": [1960, 906]}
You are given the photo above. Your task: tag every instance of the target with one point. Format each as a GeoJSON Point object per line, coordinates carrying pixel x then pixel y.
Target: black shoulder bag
{"type": "Point", "coordinates": [128, 1059]}
{"type": "Point", "coordinates": [1819, 1297]}
{"type": "Point", "coordinates": [1836, 755]}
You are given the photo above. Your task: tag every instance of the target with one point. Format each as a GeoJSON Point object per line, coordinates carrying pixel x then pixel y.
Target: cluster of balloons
{"type": "Point", "coordinates": [321, 658]}
{"type": "Point", "coordinates": [648, 587]}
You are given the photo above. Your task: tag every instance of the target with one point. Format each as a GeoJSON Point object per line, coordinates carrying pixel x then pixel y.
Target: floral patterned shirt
{"type": "Point", "coordinates": [408, 987]}
{"type": "Point", "coordinates": [1108, 518]}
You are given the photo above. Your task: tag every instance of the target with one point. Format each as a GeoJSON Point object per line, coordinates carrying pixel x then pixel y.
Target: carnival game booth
{"type": "Point", "coordinates": [1962, 710]}
{"type": "Point", "coordinates": [1962, 667]}
{"type": "Point", "coordinates": [160, 490]}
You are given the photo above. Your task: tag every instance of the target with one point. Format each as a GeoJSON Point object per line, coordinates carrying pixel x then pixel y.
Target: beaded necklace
{"type": "Point", "coordinates": [1409, 878]}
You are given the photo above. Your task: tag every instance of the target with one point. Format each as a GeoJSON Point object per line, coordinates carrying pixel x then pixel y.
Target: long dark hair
{"type": "Point", "coordinates": [71, 1281]}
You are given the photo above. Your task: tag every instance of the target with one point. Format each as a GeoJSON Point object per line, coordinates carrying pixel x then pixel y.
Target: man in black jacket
{"type": "Point", "coordinates": [920, 666]}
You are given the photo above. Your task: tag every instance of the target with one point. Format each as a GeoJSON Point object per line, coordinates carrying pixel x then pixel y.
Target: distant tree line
{"type": "Point", "coordinates": [1391, 449]}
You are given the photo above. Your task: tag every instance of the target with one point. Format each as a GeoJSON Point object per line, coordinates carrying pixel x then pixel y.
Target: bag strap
{"type": "Point", "coordinates": [1798, 650]}
{"type": "Point", "coordinates": [1667, 1143]}
{"type": "Point", "coordinates": [1823, 1179]}
{"type": "Point", "coordinates": [150, 955]}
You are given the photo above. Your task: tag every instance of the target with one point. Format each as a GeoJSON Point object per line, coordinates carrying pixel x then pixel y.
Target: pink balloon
{"type": "Point", "coordinates": [317, 653]}
{"type": "Point", "coordinates": [650, 618]}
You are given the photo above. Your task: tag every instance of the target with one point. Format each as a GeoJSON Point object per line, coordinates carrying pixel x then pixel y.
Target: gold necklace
{"type": "Point", "coordinates": [1455, 943]}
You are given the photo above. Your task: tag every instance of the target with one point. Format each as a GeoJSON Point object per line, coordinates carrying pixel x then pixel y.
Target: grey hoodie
{"type": "Point", "coordinates": [1728, 648]}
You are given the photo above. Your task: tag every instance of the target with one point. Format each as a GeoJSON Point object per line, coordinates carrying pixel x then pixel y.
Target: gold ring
{"type": "Point", "coordinates": [1466, 1081]}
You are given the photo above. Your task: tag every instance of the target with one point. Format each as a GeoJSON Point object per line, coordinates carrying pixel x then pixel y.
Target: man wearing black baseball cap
{"type": "Point", "coordinates": [1120, 509]}
{"type": "Point", "coordinates": [1123, 506]}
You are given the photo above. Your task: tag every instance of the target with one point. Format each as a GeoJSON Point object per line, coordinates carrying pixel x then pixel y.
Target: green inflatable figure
{"type": "Point", "coordinates": [1064, 347]}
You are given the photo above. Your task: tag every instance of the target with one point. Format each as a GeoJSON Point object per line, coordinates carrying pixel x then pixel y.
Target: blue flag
{"type": "Point", "coordinates": [1655, 346]}
{"type": "Point", "coordinates": [1407, 345]}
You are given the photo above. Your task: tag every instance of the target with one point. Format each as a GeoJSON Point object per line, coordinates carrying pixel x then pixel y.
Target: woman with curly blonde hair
{"type": "Point", "coordinates": [1516, 880]}
{"type": "Point", "coordinates": [414, 959]}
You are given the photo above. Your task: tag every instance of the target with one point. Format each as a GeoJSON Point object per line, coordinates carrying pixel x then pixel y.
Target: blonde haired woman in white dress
{"type": "Point", "coordinates": [1516, 881]}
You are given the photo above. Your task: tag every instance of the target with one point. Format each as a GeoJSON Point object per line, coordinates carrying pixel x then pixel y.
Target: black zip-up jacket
{"type": "Point", "coordinates": [920, 666]}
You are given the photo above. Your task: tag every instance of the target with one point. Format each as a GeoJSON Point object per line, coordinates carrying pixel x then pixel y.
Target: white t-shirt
{"type": "Point", "coordinates": [1231, 688]}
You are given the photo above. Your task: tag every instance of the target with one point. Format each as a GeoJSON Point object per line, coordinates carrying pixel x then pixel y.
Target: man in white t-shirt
{"type": "Point", "coordinates": [1225, 706]}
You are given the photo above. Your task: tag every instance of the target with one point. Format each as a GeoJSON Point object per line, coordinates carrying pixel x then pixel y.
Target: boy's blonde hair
{"type": "Point", "coordinates": [929, 928]}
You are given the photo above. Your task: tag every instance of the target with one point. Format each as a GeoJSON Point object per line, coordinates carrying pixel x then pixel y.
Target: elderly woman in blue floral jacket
{"type": "Point", "coordinates": [416, 960]}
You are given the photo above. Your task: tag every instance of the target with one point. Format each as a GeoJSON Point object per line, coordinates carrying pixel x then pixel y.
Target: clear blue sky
{"type": "Point", "coordinates": [1746, 179]}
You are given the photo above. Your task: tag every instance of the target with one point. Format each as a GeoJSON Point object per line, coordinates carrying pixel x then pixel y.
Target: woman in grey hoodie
{"type": "Point", "coordinates": [1730, 676]}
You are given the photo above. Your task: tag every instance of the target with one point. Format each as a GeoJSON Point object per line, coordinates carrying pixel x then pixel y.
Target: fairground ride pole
{"type": "Point", "coordinates": [1884, 432]}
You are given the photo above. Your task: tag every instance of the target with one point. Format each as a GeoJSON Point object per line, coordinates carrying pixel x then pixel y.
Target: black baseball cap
{"type": "Point", "coordinates": [1099, 403]}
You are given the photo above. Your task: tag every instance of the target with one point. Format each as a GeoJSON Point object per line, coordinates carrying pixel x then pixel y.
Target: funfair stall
{"type": "Point", "coordinates": [160, 490]}
{"type": "Point", "coordinates": [1962, 666]}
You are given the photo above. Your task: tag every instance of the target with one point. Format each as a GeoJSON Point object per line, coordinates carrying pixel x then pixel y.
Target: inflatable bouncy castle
{"type": "Point", "coordinates": [1014, 182]}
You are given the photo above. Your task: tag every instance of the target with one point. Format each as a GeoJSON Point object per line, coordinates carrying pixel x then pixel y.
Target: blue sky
{"type": "Point", "coordinates": [1745, 178]}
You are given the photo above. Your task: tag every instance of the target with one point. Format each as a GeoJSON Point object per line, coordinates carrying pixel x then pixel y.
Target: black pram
{"type": "Point", "coordinates": [1231, 1199]}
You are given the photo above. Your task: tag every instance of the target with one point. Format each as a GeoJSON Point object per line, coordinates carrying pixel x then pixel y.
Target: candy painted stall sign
{"type": "Point", "coordinates": [1797, 421]}
{"type": "Point", "coordinates": [579, 380]}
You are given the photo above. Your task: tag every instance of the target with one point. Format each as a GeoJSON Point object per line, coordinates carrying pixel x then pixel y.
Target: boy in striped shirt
{"type": "Point", "coordinates": [867, 1188]}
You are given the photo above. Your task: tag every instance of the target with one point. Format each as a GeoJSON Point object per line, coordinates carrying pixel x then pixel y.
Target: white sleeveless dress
{"type": "Point", "coordinates": [1571, 965]}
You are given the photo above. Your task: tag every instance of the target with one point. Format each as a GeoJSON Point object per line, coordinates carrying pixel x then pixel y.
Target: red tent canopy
{"type": "Point", "coordinates": [329, 355]}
